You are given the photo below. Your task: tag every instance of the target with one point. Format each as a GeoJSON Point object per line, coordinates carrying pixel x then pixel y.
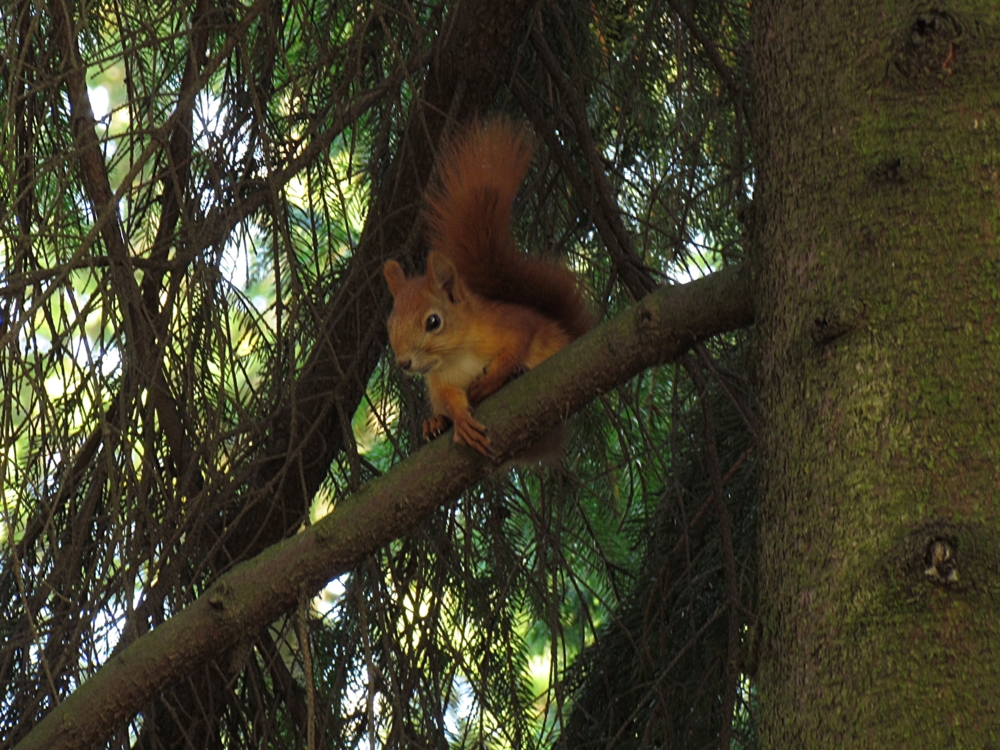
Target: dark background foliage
{"type": "Point", "coordinates": [195, 366]}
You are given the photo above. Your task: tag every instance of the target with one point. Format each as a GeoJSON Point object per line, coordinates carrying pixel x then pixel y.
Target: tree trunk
{"type": "Point", "coordinates": [878, 269]}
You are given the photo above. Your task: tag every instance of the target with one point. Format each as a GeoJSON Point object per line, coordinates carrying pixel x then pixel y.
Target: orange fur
{"type": "Point", "coordinates": [485, 311]}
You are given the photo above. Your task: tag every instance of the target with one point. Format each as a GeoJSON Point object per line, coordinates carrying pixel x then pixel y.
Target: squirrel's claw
{"type": "Point", "coordinates": [471, 432]}
{"type": "Point", "coordinates": [468, 431]}
{"type": "Point", "coordinates": [434, 426]}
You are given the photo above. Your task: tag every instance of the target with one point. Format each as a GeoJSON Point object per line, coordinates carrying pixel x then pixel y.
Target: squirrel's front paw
{"type": "Point", "coordinates": [435, 426]}
{"type": "Point", "coordinates": [471, 432]}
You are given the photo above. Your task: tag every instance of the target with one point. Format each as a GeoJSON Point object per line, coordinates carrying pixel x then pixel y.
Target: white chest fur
{"type": "Point", "coordinates": [461, 369]}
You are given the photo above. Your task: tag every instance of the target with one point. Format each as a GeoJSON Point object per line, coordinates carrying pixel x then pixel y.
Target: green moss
{"type": "Point", "coordinates": [882, 428]}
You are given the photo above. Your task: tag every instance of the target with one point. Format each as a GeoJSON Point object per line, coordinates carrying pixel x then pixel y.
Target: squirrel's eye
{"type": "Point", "coordinates": [433, 322]}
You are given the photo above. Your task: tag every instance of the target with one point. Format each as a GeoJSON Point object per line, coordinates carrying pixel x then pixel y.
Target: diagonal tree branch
{"type": "Point", "coordinates": [306, 436]}
{"type": "Point", "coordinates": [659, 328]}
{"type": "Point", "coordinates": [471, 59]}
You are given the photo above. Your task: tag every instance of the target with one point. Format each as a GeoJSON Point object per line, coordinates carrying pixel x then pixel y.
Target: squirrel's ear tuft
{"type": "Point", "coordinates": [394, 276]}
{"type": "Point", "coordinates": [444, 278]}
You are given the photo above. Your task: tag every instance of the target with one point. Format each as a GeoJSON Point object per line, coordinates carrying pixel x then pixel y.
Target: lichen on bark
{"type": "Point", "coordinates": [877, 138]}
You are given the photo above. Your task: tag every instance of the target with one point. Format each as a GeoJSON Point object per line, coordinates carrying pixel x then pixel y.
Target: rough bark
{"type": "Point", "coordinates": [659, 328]}
{"type": "Point", "coordinates": [877, 145]}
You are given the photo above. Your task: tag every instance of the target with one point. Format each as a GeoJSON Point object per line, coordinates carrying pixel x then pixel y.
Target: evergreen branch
{"type": "Point", "coordinates": [658, 329]}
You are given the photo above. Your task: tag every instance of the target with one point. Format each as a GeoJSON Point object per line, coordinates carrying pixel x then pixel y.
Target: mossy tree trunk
{"type": "Point", "coordinates": [878, 268]}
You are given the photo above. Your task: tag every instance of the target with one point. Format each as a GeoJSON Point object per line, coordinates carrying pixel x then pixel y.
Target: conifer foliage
{"type": "Point", "coordinates": [198, 201]}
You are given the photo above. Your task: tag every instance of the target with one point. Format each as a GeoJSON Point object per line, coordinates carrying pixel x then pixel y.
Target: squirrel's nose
{"type": "Point", "coordinates": [405, 363]}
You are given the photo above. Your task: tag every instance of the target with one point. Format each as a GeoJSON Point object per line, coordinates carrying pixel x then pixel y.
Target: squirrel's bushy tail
{"type": "Point", "coordinates": [468, 213]}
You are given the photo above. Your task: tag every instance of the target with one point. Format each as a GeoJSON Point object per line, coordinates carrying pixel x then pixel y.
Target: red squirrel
{"type": "Point", "coordinates": [485, 312]}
